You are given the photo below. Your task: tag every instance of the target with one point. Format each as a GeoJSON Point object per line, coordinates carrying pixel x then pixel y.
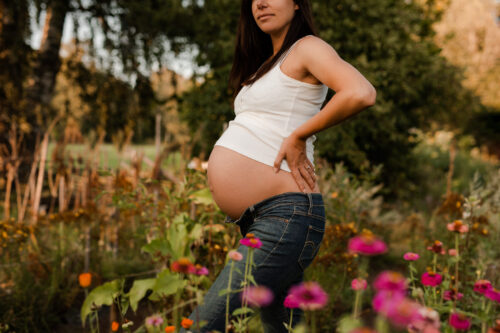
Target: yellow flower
{"type": "Point", "coordinates": [334, 195]}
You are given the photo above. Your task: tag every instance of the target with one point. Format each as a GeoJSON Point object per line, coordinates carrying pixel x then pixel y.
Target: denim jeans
{"type": "Point", "coordinates": [291, 226]}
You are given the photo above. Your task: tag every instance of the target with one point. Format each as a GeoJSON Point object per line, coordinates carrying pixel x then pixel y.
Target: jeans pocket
{"type": "Point", "coordinates": [311, 246]}
{"type": "Point", "coordinates": [282, 212]}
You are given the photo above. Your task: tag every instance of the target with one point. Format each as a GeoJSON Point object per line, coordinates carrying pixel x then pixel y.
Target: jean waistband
{"type": "Point", "coordinates": [311, 199]}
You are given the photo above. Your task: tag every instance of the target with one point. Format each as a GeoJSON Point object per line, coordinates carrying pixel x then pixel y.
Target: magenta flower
{"type": "Point", "coordinates": [493, 294]}
{"type": "Point", "coordinates": [258, 296]}
{"type": "Point", "coordinates": [410, 256]}
{"type": "Point", "coordinates": [431, 279]}
{"type": "Point", "coordinates": [452, 295]}
{"type": "Point", "coordinates": [235, 255]}
{"type": "Point", "coordinates": [390, 280]}
{"type": "Point", "coordinates": [310, 295]}
{"type": "Point", "coordinates": [383, 299]}
{"type": "Point", "coordinates": [459, 321]}
{"type": "Point", "coordinates": [482, 286]}
{"type": "Point", "coordinates": [430, 322]}
{"type": "Point", "coordinates": [367, 244]}
{"type": "Point", "coordinates": [358, 284]}
{"type": "Point", "coordinates": [290, 302]}
{"type": "Point", "coordinates": [403, 312]}
{"type": "Point", "coordinates": [201, 270]}
{"type": "Point", "coordinates": [154, 320]}
{"type": "Point", "coordinates": [251, 242]}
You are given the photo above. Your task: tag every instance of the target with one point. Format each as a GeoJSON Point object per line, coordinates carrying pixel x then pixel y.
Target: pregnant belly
{"type": "Point", "coordinates": [237, 181]}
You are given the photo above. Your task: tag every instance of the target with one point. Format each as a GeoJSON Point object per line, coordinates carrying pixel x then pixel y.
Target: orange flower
{"type": "Point", "coordinates": [186, 323]}
{"type": "Point", "coordinates": [115, 326]}
{"type": "Point", "coordinates": [170, 329]}
{"type": "Point", "coordinates": [85, 279]}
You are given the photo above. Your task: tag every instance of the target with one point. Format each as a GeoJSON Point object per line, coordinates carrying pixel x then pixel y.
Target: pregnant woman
{"type": "Point", "coordinates": [261, 170]}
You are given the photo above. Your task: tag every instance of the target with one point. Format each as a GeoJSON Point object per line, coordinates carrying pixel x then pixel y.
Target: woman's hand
{"type": "Point", "coordinates": [293, 149]}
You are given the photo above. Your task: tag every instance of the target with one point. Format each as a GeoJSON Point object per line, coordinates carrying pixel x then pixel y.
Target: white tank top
{"type": "Point", "coordinates": [268, 111]}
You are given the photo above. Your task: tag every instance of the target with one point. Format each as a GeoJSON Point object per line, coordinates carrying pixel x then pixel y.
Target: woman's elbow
{"type": "Point", "coordinates": [368, 96]}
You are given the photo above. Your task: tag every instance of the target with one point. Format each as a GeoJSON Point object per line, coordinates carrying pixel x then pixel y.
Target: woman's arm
{"type": "Point", "coordinates": [353, 92]}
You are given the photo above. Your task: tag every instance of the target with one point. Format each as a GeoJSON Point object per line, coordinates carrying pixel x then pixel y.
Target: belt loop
{"type": "Point", "coordinates": [252, 209]}
{"type": "Point", "coordinates": [309, 197]}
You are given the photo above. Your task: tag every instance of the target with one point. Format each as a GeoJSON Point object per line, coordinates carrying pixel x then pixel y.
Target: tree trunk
{"type": "Point", "coordinates": [47, 65]}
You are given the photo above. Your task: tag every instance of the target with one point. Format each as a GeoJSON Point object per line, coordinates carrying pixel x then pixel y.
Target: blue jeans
{"type": "Point", "coordinates": [291, 226]}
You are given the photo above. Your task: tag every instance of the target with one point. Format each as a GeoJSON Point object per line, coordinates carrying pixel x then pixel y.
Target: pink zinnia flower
{"type": "Point", "coordinates": [452, 252]}
{"type": "Point", "coordinates": [235, 255]}
{"type": "Point", "coordinates": [358, 284]}
{"type": "Point", "coordinates": [290, 302]}
{"type": "Point", "coordinates": [403, 313]}
{"type": "Point", "coordinates": [154, 320]}
{"type": "Point", "coordinates": [251, 242]}
{"type": "Point", "coordinates": [458, 226]}
{"type": "Point", "coordinates": [367, 244]}
{"type": "Point", "coordinates": [493, 294]}
{"type": "Point", "coordinates": [410, 256]}
{"type": "Point", "coordinates": [459, 321]}
{"type": "Point", "coordinates": [452, 295]}
{"type": "Point", "coordinates": [383, 299]}
{"type": "Point", "coordinates": [201, 270]}
{"type": "Point", "coordinates": [258, 296]}
{"type": "Point", "coordinates": [310, 295]}
{"type": "Point", "coordinates": [431, 279]}
{"type": "Point", "coordinates": [430, 319]}
{"type": "Point", "coordinates": [390, 280]}
{"type": "Point", "coordinates": [437, 247]}
{"type": "Point", "coordinates": [482, 286]}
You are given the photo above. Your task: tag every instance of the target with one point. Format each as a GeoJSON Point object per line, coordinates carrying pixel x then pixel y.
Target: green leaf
{"type": "Point", "coordinates": [157, 245]}
{"type": "Point", "coordinates": [138, 290]}
{"type": "Point", "coordinates": [168, 283]}
{"type": "Point", "coordinates": [224, 291]}
{"type": "Point", "coordinates": [347, 323]}
{"type": "Point", "coordinates": [203, 196]}
{"type": "Point", "coordinates": [196, 232]}
{"type": "Point", "coordinates": [102, 295]}
{"type": "Point", "coordinates": [242, 311]}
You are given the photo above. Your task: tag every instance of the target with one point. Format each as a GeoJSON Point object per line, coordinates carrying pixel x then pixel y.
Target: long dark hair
{"type": "Point", "coordinates": [254, 47]}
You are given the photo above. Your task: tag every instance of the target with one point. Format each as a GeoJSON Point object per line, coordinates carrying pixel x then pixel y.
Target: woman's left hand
{"type": "Point", "coordinates": [293, 149]}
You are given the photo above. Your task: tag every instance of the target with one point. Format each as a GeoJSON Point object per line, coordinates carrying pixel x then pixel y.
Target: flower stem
{"type": "Point", "coordinates": [411, 276]}
{"type": "Point", "coordinates": [291, 318]}
{"type": "Point", "coordinates": [313, 322]}
{"type": "Point", "coordinates": [457, 262]}
{"type": "Point", "coordinates": [227, 297]}
{"type": "Point", "coordinates": [434, 261]}
{"type": "Point", "coordinates": [355, 311]}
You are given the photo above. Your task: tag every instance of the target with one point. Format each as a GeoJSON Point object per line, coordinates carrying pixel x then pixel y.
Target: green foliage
{"type": "Point", "coordinates": [138, 291]}
{"type": "Point", "coordinates": [102, 295]}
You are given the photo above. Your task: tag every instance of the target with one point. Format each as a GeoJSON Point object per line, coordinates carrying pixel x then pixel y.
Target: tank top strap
{"type": "Point", "coordinates": [283, 57]}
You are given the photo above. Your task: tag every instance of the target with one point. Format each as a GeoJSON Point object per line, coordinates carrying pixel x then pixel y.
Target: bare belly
{"type": "Point", "coordinates": [237, 181]}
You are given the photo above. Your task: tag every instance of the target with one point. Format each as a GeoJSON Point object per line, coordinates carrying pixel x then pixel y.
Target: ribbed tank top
{"type": "Point", "coordinates": [268, 111]}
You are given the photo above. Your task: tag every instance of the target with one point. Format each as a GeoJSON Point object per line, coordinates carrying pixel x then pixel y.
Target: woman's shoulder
{"type": "Point", "coordinates": [312, 44]}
